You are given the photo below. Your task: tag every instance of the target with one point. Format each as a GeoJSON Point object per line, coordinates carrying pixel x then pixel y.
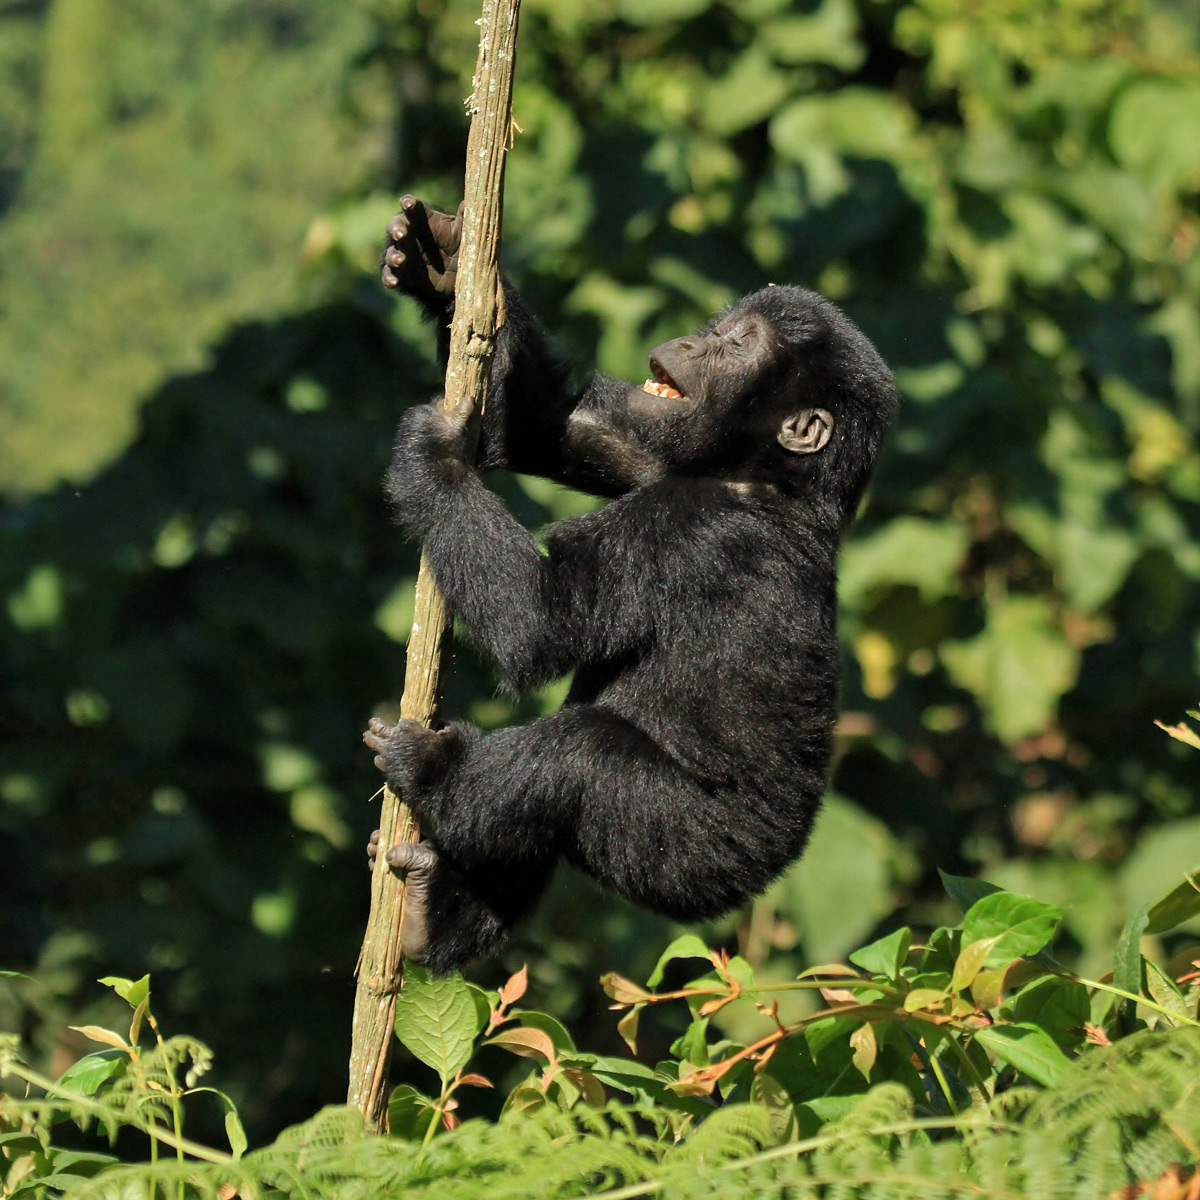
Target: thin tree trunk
{"type": "Point", "coordinates": [477, 315]}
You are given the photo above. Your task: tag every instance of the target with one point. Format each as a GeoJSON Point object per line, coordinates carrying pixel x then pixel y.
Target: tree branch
{"type": "Point", "coordinates": [478, 314]}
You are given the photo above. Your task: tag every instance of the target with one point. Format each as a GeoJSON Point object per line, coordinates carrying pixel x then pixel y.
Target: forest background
{"type": "Point", "coordinates": [202, 598]}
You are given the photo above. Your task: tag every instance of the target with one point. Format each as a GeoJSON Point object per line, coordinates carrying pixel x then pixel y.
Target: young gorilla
{"type": "Point", "coordinates": [697, 609]}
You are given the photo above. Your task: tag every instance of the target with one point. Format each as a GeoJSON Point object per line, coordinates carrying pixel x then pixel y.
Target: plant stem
{"type": "Point", "coordinates": [477, 301]}
{"type": "Point", "coordinates": [1116, 991]}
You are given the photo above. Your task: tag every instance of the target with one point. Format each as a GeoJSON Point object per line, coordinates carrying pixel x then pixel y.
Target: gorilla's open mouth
{"type": "Point", "coordinates": [665, 385]}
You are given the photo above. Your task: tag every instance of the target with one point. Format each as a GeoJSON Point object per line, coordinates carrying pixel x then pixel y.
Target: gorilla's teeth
{"type": "Point", "coordinates": [661, 389]}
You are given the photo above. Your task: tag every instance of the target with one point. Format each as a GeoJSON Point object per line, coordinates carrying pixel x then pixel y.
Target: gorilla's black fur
{"type": "Point", "coordinates": [697, 610]}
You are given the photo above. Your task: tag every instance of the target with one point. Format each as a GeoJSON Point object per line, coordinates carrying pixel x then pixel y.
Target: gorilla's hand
{"type": "Point", "coordinates": [415, 861]}
{"type": "Point", "coordinates": [411, 757]}
{"type": "Point", "coordinates": [421, 258]}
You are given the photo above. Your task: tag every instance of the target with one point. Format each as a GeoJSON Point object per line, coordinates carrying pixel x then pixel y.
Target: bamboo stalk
{"type": "Point", "coordinates": [478, 313]}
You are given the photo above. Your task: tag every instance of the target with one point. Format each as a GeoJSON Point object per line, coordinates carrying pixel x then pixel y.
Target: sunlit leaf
{"type": "Point", "coordinates": [436, 1019]}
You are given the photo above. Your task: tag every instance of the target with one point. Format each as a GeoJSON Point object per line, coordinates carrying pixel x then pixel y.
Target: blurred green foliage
{"type": "Point", "coordinates": [194, 628]}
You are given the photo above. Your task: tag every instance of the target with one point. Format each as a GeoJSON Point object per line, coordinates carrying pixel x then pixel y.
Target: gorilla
{"type": "Point", "coordinates": [696, 611]}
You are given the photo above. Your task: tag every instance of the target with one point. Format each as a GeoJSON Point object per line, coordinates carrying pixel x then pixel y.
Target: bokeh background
{"type": "Point", "coordinates": [201, 596]}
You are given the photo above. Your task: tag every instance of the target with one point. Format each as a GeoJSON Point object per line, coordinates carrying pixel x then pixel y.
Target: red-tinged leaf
{"type": "Point", "coordinates": [525, 1041]}
{"type": "Point", "coordinates": [1181, 733]}
{"type": "Point", "coordinates": [766, 1056]}
{"type": "Point", "coordinates": [105, 1037]}
{"type": "Point", "coordinates": [1096, 1035]}
{"type": "Point", "coordinates": [702, 1082]}
{"type": "Point", "coordinates": [711, 1006]}
{"type": "Point", "coordinates": [476, 1081]}
{"type": "Point", "coordinates": [514, 989]}
{"type": "Point", "coordinates": [450, 1121]}
{"type": "Point", "coordinates": [695, 1086]}
{"type": "Point", "coordinates": [828, 969]}
{"type": "Point", "coordinates": [624, 991]}
{"type": "Point", "coordinates": [588, 1084]}
{"type": "Point", "coordinates": [627, 1027]}
{"type": "Point", "coordinates": [839, 996]}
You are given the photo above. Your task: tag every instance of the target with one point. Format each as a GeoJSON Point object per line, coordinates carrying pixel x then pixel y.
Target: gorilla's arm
{"type": "Point", "coordinates": [535, 421]}
{"type": "Point", "coordinates": [538, 615]}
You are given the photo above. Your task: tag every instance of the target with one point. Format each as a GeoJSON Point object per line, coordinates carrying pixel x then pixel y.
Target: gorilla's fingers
{"type": "Point", "coordinates": [417, 857]}
{"type": "Point", "coordinates": [416, 860]}
{"type": "Point", "coordinates": [418, 224]}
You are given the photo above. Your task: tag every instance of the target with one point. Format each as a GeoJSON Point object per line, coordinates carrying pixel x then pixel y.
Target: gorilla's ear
{"type": "Point", "coordinates": [806, 432]}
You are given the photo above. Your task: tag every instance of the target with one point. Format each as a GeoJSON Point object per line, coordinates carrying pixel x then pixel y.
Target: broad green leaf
{"type": "Point", "coordinates": [843, 884]}
{"type": "Point", "coordinates": [885, 956]}
{"type": "Point", "coordinates": [1018, 668]}
{"type": "Point", "coordinates": [686, 946]}
{"type": "Point", "coordinates": [409, 1112]}
{"type": "Point", "coordinates": [924, 998]}
{"type": "Point", "coordinates": [970, 962]}
{"type": "Point", "coordinates": [749, 92]}
{"type": "Point", "coordinates": [1017, 926]}
{"type": "Point", "coordinates": [964, 890]}
{"type": "Point", "coordinates": [1030, 1050]}
{"type": "Point", "coordinates": [1152, 130]}
{"type": "Point", "coordinates": [908, 550]}
{"type": "Point", "coordinates": [1059, 1006]}
{"type": "Point", "coordinates": [133, 992]}
{"type": "Point", "coordinates": [436, 1019]}
{"type": "Point", "coordinates": [1180, 904]}
{"type": "Point", "coordinates": [92, 1070]}
{"type": "Point", "coordinates": [827, 35]}
{"type": "Point", "coordinates": [1162, 856]}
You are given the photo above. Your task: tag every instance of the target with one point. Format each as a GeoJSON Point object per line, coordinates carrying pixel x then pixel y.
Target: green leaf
{"type": "Point", "coordinates": [885, 956]}
{"type": "Point", "coordinates": [1163, 991]}
{"type": "Point", "coordinates": [1127, 964]}
{"type": "Point", "coordinates": [436, 1019]}
{"type": "Point", "coordinates": [409, 1112]}
{"type": "Point", "coordinates": [924, 998]}
{"type": "Point", "coordinates": [652, 12]}
{"type": "Point", "coordinates": [1030, 1050]}
{"type": "Point", "coordinates": [1059, 1006]}
{"type": "Point", "coordinates": [965, 891]}
{"type": "Point", "coordinates": [234, 1129]}
{"type": "Point", "coordinates": [692, 1045]}
{"type": "Point", "coordinates": [909, 550]}
{"type": "Point", "coordinates": [92, 1070]}
{"type": "Point", "coordinates": [14, 975]}
{"type": "Point", "coordinates": [1180, 904]}
{"type": "Point", "coordinates": [827, 35]}
{"type": "Point", "coordinates": [133, 992]}
{"type": "Point", "coordinates": [1018, 668]}
{"type": "Point", "coordinates": [843, 885]}
{"type": "Point", "coordinates": [1152, 131]}
{"type": "Point", "coordinates": [687, 946]}
{"type": "Point", "coordinates": [970, 962]}
{"type": "Point", "coordinates": [1017, 925]}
